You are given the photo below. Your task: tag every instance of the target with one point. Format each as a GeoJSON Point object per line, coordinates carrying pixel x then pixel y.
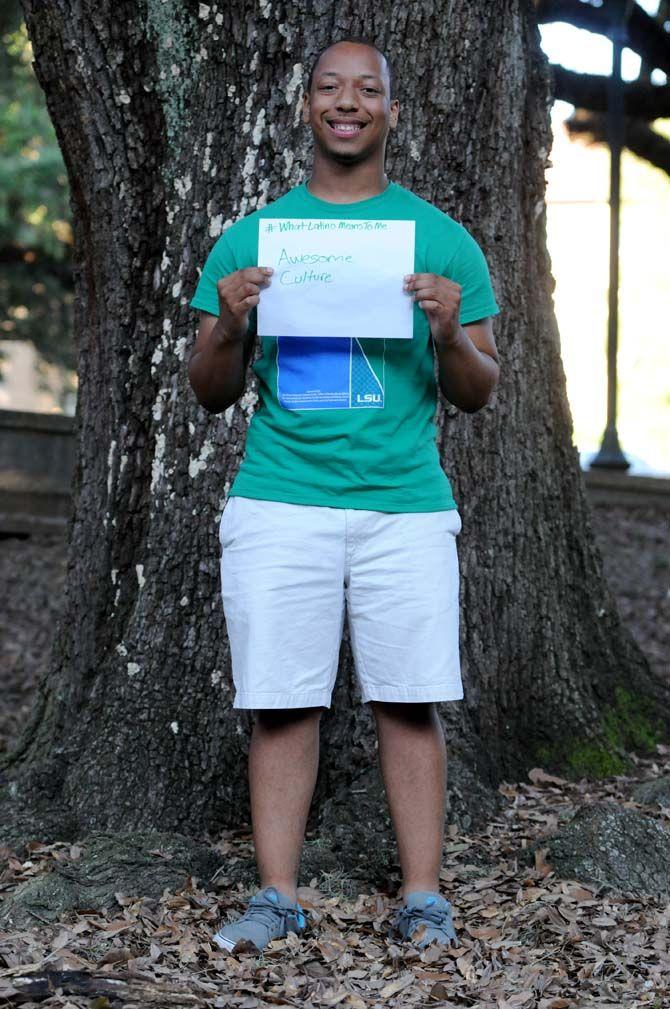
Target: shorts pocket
{"type": "Point", "coordinates": [453, 523]}
{"type": "Point", "coordinates": [226, 523]}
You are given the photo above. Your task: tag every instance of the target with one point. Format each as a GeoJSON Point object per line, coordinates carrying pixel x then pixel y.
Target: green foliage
{"type": "Point", "coordinates": [34, 208]}
{"type": "Point", "coordinates": [35, 229]}
{"type": "Point", "coordinates": [591, 760]}
{"type": "Point", "coordinates": [629, 724]}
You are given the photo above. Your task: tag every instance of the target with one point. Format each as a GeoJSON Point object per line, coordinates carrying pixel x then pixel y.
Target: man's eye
{"type": "Point", "coordinates": [374, 91]}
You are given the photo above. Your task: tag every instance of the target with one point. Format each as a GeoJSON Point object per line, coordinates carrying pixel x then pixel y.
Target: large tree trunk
{"type": "Point", "coordinates": [175, 118]}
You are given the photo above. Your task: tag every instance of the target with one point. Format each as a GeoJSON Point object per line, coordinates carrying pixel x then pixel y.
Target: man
{"type": "Point", "coordinates": [341, 497]}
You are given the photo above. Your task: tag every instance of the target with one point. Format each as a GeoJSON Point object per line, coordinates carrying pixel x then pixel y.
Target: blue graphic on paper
{"type": "Point", "coordinates": [329, 373]}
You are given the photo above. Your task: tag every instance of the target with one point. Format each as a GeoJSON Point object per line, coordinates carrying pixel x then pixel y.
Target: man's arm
{"type": "Point", "coordinates": [223, 348]}
{"type": "Point", "coordinates": [467, 356]}
{"type": "Point", "coordinates": [468, 368]}
{"type": "Point", "coordinates": [217, 365]}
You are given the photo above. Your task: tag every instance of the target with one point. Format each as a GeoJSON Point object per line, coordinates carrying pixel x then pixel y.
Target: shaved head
{"type": "Point", "coordinates": [350, 41]}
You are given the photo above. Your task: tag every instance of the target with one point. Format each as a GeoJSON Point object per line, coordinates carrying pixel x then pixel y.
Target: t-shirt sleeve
{"type": "Point", "coordinates": [219, 263]}
{"type": "Point", "coordinates": [470, 269]}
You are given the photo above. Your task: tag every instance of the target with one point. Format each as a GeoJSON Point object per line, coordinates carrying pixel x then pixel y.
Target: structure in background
{"type": "Point", "coordinates": [610, 455]}
{"type": "Point", "coordinates": [633, 113]}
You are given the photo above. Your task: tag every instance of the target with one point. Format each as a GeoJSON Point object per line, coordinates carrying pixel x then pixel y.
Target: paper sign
{"type": "Point", "coordinates": [336, 278]}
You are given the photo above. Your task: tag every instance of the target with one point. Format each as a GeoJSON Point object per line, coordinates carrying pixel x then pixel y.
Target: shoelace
{"type": "Point", "coordinates": [267, 913]}
{"type": "Point", "coordinates": [441, 918]}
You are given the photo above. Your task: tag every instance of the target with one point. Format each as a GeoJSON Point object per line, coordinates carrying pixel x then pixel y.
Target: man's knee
{"type": "Point", "coordinates": [276, 719]}
{"type": "Point", "coordinates": [417, 715]}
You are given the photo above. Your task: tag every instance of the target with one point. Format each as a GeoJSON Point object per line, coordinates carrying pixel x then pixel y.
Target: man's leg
{"type": "Point", "coordinates": [413, 759]}
{"type": "Point", "coordinates": [283, 763]}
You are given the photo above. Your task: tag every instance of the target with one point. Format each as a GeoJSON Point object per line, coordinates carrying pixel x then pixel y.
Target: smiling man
{"type": "Point", "coordinates": [341, 504]}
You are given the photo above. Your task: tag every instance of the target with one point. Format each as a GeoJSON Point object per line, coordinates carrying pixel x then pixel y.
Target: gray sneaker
{"type": "Point", "coordinates": [431, 910]}
{"type": "Point", "coordinates": [270, 915]}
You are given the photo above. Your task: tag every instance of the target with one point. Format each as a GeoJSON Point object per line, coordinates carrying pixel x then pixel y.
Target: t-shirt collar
{"type": "Point", "coordinates": [337, 209]}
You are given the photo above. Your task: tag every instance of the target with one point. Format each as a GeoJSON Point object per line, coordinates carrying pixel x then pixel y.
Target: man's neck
{"type": "Point", "coordinates": [346, 183]}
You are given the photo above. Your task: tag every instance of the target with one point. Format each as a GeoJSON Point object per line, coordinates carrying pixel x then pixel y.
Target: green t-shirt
{"type": "Point", "coordinates": [350, 423]}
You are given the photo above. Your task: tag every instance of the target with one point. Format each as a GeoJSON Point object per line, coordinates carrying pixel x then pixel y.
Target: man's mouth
{"type": "Point", "coordinates": [345, 127]}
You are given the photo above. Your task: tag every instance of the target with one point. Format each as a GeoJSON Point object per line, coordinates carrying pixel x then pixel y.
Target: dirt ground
{"type": "Point", "coordinates": [529, 939]}
{"type": "Point", "coordinates": [634, 542]}
{"type": "Point", "coordinates": [635, 546]}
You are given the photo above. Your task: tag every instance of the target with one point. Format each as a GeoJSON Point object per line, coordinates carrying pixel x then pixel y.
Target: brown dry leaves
{"type": "Point", "coordinates": [528, 939]}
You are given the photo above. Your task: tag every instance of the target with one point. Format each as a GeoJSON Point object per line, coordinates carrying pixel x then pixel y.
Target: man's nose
{"type": "Point", "coordinates": [347, 98]}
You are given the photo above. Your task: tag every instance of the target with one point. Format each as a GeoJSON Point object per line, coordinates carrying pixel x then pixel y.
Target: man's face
{"type": "Point", "coordinates": [349, 106]}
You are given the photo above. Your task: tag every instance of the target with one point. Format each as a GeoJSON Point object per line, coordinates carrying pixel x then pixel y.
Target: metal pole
{"type": "Point", "coordinates": [610, 455]}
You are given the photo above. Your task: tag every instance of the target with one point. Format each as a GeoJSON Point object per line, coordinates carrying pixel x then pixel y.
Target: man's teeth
{"type": "Point", "coordinates": [346, 127]}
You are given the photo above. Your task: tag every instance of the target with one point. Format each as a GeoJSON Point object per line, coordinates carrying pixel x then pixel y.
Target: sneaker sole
{"type": "Point", "coordinates": [242, 945]}
{"type": "Point", "coordinates": [223, 943]}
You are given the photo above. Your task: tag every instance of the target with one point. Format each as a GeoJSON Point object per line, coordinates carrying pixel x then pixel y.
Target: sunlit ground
{"type": "Point", "coordinates": [578, 238]}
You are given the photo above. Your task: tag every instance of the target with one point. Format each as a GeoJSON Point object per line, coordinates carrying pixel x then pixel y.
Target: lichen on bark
{"type": "Point", "coordinates": [630, 723]}
{"type": "Point", "coordinates": [175, 38]}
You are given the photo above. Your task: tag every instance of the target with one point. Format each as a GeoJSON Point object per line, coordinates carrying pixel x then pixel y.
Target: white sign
{"type": "Point", "coordinates": [336, 278]}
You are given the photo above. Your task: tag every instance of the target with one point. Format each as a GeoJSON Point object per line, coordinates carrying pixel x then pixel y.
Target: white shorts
{"type": "Point", "coordinates": [287, 572]}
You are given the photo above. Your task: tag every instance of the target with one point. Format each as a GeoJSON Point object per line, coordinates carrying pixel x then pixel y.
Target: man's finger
{"type": "Point", "coordinates": [428, 292]}
{"type": "Point", "coordinates": [437, 293]}
{"type": "Point", "coordinates": [414, 280]}
{"type": "Point", "coordinates": [430, 306]}
{"type": "Point", "coordinates": [426, 286]}
{"type": "Point", "coordinates": [239, 294]}
{"type": "Point", "coordinates": [253, 274]}
{"type": "Point", "coordinates": [257, 274]}
{"type": "Point", "coordinates": [250, 275]}
{"type": "Point", "coordinates": [234, 297]}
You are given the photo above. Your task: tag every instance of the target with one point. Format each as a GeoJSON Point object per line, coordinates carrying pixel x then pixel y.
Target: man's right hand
{"type": "Point", "coordinates": [239, 292]}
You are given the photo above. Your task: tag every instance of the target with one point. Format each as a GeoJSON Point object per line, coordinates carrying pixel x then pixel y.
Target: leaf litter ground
{"type": "Point", "coordinates": [529, 940]}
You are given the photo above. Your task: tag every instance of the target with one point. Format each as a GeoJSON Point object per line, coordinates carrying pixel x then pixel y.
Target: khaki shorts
{"type": "Point", "coordinates": [290, 572]}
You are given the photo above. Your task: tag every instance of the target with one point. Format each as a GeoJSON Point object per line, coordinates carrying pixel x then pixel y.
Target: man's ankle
{"type": "Point", "coordinates": [286, 888]}
{"type": "Point", "coordinates": [420, 886]}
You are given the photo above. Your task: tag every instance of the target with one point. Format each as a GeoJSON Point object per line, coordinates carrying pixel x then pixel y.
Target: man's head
{"type": "Point", "coordinates": [348, 101]}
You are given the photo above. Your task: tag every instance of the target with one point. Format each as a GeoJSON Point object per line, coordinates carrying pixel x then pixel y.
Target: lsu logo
{"type": "Point", "coordinates": [368, 397]}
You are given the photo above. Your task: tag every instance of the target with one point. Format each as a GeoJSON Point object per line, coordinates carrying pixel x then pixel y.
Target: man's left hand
{"type": "Point", "coordinates": [441, 301]}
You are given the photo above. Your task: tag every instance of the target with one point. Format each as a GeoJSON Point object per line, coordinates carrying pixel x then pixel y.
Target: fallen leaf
{"type": "Point", "coordinates": [119, 955]}
{"type": "Point", "coordinates": [483, 933]}
{"type": "Point", "coordinates": [395, 986]}
{"type": "Point", "coordinates": [540, 777]}
{"type": "Point", "coordinates": [432, 954]}
{"type": "Point", "coordinates": [440, 993]}
{"type": "Point", "coordinates": [331, 950]}
{"type": "Point", "coordinates": [313, 968]}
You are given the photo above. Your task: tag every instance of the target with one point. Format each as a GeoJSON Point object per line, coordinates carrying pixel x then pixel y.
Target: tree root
{"type": "Point", "coordinates": [136, 864]}
{"type": "Point", "coordinates": [41, 985]}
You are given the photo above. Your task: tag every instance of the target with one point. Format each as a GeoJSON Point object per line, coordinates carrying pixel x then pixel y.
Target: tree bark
{"type": "Point", "coordinates": [174, 119]}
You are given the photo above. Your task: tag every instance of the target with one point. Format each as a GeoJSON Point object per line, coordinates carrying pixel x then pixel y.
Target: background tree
{"type": "Point", "coordinates": [36, 287]}
{"type": "Point", "coordinates": [174, 120]}
{"type": "Point", "coordinates": [649, 36]}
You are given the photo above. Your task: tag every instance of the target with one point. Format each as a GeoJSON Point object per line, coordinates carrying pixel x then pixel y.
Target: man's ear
{"type": "Point", "coordinates": [305, 108]}
{"type": "Point", "coordinates": [395, 112]}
